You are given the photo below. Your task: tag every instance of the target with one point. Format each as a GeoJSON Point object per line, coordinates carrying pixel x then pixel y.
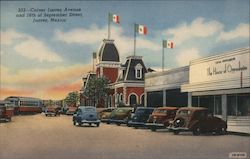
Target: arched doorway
{"type": "Point", "coordinates": [142, 100]}
{"type": "Point", "coordinates": [132, 99]}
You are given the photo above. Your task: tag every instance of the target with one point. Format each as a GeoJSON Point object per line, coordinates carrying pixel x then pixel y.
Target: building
{"type": "Point", "coordinates": [164, 88]}
{"type": "Point", "coordinates": [220, 83]}
{"type": "Point", "coordinates": [126, 81]}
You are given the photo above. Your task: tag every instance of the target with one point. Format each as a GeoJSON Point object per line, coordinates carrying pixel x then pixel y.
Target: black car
{"type": "Point", "coordinates": [140, 117]}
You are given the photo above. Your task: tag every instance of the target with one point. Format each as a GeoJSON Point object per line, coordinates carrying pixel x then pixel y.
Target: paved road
{"type": "Point", "coordinates": [40, 137]}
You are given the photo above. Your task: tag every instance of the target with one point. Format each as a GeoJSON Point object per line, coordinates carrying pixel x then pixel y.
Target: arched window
{"type": "Point", "coordinates": [120, 97]}
{"type": "Point", "coordinates": [138, 71]}
{"type": "Point", "coordinates": [132, 100]}
{"type": "Point", "coordinates": [142, 100]}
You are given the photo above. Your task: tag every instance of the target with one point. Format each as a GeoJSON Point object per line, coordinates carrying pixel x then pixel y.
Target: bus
{"type": "Point", "coordinates": [25, 105]}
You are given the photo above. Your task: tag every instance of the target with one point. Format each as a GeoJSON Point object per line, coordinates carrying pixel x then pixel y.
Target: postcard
{"type": "Point", "coordinates": [122, 79]}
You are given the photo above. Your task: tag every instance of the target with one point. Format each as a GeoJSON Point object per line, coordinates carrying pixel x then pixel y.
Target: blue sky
{"type": "Point", "coordinates": [62, 51]}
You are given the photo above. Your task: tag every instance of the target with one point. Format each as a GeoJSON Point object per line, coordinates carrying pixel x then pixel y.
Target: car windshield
{"type": "Point", "coordinates": [143, 111]}
{"type": "Point", "coordinates": [161, 111]}
{"type": "Point", "coordinates": [184, 112]}
{"type": "Point", "coordinates": [122, 110]}
{"type": "Point", "coordinates": [89, 109]}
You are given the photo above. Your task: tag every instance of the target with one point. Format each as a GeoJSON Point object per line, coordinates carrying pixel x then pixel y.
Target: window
{"type": "Point", "coordinates": [138, 71]}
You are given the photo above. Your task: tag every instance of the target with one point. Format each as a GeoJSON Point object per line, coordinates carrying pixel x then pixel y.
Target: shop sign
{"type": "Point", "coordinates": [230, 67]}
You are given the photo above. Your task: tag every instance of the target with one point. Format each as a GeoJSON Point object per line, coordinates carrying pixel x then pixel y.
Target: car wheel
{"type": "Point", "coordinates": [89, 124]}
{"type": "Point", "coordinates": [74, 122]}
{"type": "Point", "coordinates": [221, 130]}
{"type": "Point", "coordinates": [80, 124]}
{"type": "Point", "coordinates": [197, 130]}
{"type": "Point", "coordinates": [118, 124]}
{"type": "Point", "coordinates": [153, 128]}
{"type": "Point", "coordinates": [46, 114]}
{"type": "Point", "coordinates": [97, 124]}
{"type": "Point", "coordinates": [176, 132]}
{"type": "Point", "coordinates": [180, 122]}
{"type": "Point", "coordinates": [136, 127]}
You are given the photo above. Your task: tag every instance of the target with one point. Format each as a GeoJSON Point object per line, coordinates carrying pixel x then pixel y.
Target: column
{"type": "Point", "coordinates": [164, 101]}
{"type": "Point", "coordinates": [224, 106]}
{"type": "Point", "coordinates": [189, 99]}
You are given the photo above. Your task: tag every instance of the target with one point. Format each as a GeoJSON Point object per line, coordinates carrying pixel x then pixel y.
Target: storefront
{"type": "Point", "coordinates": [164, 88]}
{"type": "Point", "coordinates": [222, 84]}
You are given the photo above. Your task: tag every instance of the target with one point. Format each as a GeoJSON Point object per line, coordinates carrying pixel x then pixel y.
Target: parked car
{"type": "Point", "coordinates": [52, 111]}
{"type": "Point", "coordinates": [161, 118]}
{"type": "Point", "coordinates": [6, 111]}
{"type": "Point", "coordinates": [140, 117]}
{"type": "Point", "coordinates": [104, 114]}
{"type": "Point", "coordinates": [197, 120]}
{"type": "Point", "coordinates": [120, 116]}
{"type": "Point", "coordinates": [86, 115]}
{"type": "Point", "coordinates": [71, 110]}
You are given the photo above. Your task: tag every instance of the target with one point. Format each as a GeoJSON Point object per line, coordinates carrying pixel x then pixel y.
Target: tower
{"type": "Point", "coordinates": [108, 61]}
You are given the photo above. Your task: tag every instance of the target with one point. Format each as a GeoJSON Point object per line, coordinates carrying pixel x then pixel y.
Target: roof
{"type": "Point", "coordinates": [108, 51]}
{"type": "Point", "coordinates": [168, 108]}
{"type": "Point", "coordinates": [193, 108]}
{"type": "Point", "coordinates": [129, 69]}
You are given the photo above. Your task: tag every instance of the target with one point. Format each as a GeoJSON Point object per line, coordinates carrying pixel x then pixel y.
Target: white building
{"type": "Point", "coordinates": [220, 83]}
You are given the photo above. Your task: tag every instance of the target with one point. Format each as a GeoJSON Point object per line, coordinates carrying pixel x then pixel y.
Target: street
{"type": "Point", "coordinates": [40, 137]}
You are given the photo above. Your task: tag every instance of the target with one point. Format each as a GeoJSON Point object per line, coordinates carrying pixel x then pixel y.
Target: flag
{"type": "Point", "coordinates": [167, 44]}
{"type": "Point", "coordinates": [114, 18]}
{"type": "Point", "coordinates": [141, 29]}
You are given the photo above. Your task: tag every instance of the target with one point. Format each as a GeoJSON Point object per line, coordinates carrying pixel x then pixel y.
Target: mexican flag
{"type": "Point", "coordinates": [141, 29]}
{"type": "Point", "coordinates": [114, 18]}
{"type": "Point", "coordinates": [167, 44]}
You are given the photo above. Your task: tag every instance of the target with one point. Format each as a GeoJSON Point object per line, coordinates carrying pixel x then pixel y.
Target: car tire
{"type": "Point", "coordinates": [97, 124]}
{"type": "Point", "coordinates": [80, 124]}
{"type": "Point", "coordinates": [197, 130]}
{"type": "Point", "coordinates": [176, 132]}
{"type": "Point", "coordinates": [74, 123]}
{"type": "Point", "coordinates": [118, 124]}
{"type": "Point", "coordinates": [89, 124]}
{"type": "Point", "coordinates": [221, 130]}
{"type": "Point", "coordinates": [153, 128]}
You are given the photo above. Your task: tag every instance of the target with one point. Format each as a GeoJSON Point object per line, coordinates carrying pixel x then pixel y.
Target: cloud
{"type": "Point", "coordinates": [241, 31]}
{"type": "Point", "coordinates": [9, 36]}
{"type": "Point", "coordinates": [53, 83]}
{"type": "Point", "coordinates": [29, 47]}
{"type": "Point", "coordinates": [36, 50]}
{"type": "Point", "coordinates": [186, 55]}
{"type": "Point", "coordinates": [198, 28]}
{"type": "Point", "coordinates": [94, 35]}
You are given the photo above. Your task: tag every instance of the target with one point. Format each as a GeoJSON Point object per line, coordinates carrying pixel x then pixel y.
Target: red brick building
{"type": "Point", "coordinates": [126, 81]}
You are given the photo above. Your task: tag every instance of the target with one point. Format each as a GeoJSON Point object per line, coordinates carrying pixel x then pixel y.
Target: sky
{"type": "Point", "coordinates": [48, 59]}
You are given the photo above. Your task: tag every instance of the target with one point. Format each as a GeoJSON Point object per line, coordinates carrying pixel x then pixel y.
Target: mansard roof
{"type": "Point", "coordinates": [108, 51]}
{"type": "Point", "coordinates": [129, 68]}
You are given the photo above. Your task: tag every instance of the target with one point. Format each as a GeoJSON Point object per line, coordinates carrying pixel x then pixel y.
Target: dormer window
{"type": "Point", "coordinates": [138, 71]}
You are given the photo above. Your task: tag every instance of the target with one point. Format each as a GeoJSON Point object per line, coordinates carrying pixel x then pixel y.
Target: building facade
{"type": "Point", "coordinates": [222, 84]}
{"type": "Point", "coordinates": [164, 88]}
{"type": "Point", "coordinates": [126, 81]}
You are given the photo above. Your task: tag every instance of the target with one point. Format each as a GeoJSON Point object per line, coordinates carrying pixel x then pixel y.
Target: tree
{"type": "Point", "coordinates": [72, 98]}
{"type": "Point", "coordinates": [97, 89]}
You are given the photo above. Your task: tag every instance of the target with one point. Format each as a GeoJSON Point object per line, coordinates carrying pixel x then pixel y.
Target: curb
{"type": "Point", "coordinates": [238, 133]}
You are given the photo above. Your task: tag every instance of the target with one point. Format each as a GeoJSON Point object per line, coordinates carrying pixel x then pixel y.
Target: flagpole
{"type": "Point", "coordinates": [109, 26]}
{"type": "Point", "coordinates": [134, 39]}
{"type": "Point", "coordinates": [162, 55]}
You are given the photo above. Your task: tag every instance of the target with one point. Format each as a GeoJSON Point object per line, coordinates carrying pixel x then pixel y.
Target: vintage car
{"type": "Point", "coordinates": [52, 111]}
{"type": "Point", "coordinates": [86, 115]}
{"type": "Point", "coordinates": [6, 111]}
{"type": "Point", "coordinates": [197, 120]}
{"type": "Point", "coordinates": [120, 116]}
{"type": "Point", "coordinates": [71, 110]}
{"type": "Point", "coordinates": [161, 118]}
{"type": "Point", "coordinates": [140, 117]}
{"type": "Point", "coordinates": [104, 114]}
